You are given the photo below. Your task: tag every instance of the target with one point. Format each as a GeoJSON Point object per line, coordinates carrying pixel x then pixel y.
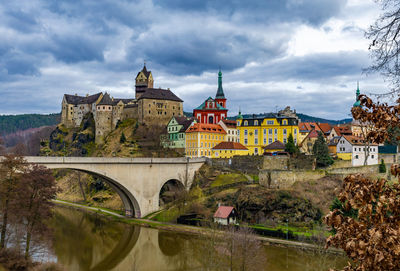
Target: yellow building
{"type": "Point", "coordinates": [261, 130]}
{"type": "Point", "coordinates": [202, 137]}
{"type": "Point", "coordinates": [228, 150]}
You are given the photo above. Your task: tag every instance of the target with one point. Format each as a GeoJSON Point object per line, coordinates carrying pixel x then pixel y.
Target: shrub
{"type": "Point", "coordinates": [382, 167]}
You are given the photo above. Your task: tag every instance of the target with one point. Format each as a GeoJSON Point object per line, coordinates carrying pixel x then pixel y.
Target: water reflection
{"type": "Point", "coordinates": [90, 242]}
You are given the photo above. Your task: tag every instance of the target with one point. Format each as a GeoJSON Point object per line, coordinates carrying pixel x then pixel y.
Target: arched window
{"type": "Point", "coordinates": [245, 123]}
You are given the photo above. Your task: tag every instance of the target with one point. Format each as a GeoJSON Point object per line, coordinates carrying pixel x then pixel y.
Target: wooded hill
{"type": "Point", "coordinates": [12, 123]}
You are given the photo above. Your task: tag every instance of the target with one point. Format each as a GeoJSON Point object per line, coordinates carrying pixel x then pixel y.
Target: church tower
{"type": "Point", "coordinates": [357, 103]}
{"type": "Point", "coordinates": [144, 80]}
{"type": "Point", "coordinates": [220, 97]}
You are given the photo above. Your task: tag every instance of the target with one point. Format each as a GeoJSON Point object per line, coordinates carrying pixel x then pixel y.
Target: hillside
{"type": "Point", "coordinates": [13, 123]}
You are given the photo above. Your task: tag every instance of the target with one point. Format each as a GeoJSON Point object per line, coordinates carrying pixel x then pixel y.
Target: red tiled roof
{"type": "Point", "coordinates": [342, 130]}
{"type": "Point", "coordinates": [312, 134]}
{"type": "Point", "coordinates": [325, 127]}
{"type": "Point", "coordinates": [204, 127]}
{"type": "Point", "coordinates": [308, 126]}
{"type": "Point", "coordinates": [229, 123]}
{"type": "Point", "coordinates": [229, 146]}
{"type": "Point", "coordinates": [355, 140]}
{"type": "Point", "coordinates": [277, 145]}
{"type": "Point", "coordinates": [223, 211]}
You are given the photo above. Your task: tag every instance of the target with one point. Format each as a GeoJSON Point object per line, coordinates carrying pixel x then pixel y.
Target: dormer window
{"type": "Point", "coordinates": [245, 123]}
{"type": "Point", "coordinates": [256, 122]}
{"type": "Point", "coordinates": [284, 122]}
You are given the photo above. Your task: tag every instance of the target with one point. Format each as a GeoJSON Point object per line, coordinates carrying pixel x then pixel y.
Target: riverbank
{"type": "Point", "coordinates": [190, 229]}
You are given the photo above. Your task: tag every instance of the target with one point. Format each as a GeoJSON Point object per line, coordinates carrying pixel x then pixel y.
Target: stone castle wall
{"type": "Point", "coordinates": [158, 112]}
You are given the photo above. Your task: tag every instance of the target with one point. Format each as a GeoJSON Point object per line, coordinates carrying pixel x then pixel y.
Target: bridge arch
{"type": "Point", "coordinates": [170, 190]}
{"type": "Point", "coordinates": [131, 205]}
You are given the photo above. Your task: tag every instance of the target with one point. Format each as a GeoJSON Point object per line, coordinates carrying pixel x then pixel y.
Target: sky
{"type": "Point", "coordinates": [306, 54]}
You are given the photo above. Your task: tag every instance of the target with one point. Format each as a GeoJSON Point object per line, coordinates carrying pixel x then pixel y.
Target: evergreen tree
{"type": "Point", "coordinates": [290, 146]}
{"type": "Point", "coordinates": [382, 167]}
{"type": "Point", "coordinates": [321, 152]}
{"type": "Point", "coordinates": [122, 139]}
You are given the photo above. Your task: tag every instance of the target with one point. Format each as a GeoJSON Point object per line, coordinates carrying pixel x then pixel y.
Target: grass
{"type": "Point", "coordinates": [225, 179]}
{"type": "Point", "coordinates": [299, 231]}
{"type": "Point", "coordinates": [169, 215]}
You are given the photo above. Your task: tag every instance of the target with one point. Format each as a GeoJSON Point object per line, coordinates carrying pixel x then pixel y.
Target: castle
{"type": "Point", "coordinates": [150, 106]}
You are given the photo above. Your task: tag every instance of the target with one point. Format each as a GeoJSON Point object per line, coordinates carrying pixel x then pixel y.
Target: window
{"type": "Point", "coordinates": [372, 156]}
{"type": "Point", "coordinates": [276, 131]}
{"type": "Point", "coordinates": [256, 132]}
{"type": "Point", "coordinates": [245, 123]}
{"type": "Point", "coordinates": [256, 151]}
{"type": "Point", "coordinates": [295, 131]}
{"type": "Point", "coordinates": [256, 122]}
{"type": "Point", "coordinates": [245, 141]}
{"type": "Point", "coordinates": [255, 141]}
{"type": "Point", "coordinates": [265, 131]}
{"type": "Point", "coordinates": [245, 132]}
{"type": "Point", "coordinates": [238, 123]}
{"type": "Point", "coordinates": [270, 122]}
{"type": "Point", "coordinates": [284, 131]}
{"type": "Point", "coordinates": [265, 141]}
{"type": "Point", "coordinates": [270, 131]}
{"type": "Point", "coordinates": [357, 156]}
{"type": "Point", "coordinates": [284, 122]}
{"type": "Point", "coordinates": [270, 140]}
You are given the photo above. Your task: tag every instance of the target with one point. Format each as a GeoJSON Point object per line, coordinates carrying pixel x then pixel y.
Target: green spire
{"type": "Point", "coordinates": [240, 114]}
{"type": "Point", "coordinates": [357, 103]}
{"type": "Point", "coordinates": [220, 91]}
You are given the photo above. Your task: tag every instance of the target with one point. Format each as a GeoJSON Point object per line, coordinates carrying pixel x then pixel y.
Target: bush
{"type": "Point", "coordinates": [122, 139]}
{"type": "Point", "coordinates": [382, 167]}
{"type": "Point", "coordinates": [12, 259]}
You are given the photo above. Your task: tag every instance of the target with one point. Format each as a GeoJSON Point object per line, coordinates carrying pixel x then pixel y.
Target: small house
{"type": "Point", "coordinates": [225, 215]}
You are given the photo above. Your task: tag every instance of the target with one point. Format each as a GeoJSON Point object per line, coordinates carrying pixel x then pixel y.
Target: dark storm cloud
{"type": "Point", "coordinates": [73, 49]}
{"type": "Point", "coordinates": [49, 47]}
{"type": "Point", "coordinates": [312, 11]}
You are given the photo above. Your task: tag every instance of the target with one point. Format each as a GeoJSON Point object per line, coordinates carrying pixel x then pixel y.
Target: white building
{"type": "Point", "coordinates": [355, 149]}
{"type": "Point", "coordinates": [225, 215]}
{"type": "Point", "coordinates": [230, 128]}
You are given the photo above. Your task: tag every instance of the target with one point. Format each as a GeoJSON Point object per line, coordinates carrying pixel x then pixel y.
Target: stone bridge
{"type": "Point", "coordinates": [138, 181]}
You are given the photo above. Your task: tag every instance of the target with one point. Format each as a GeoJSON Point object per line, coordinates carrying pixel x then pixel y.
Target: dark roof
{"type": "Point", "coordinates": [144, 70]}
{"type": "Point", "coordinates": [185, 122]}
{"type": "Point", "coordinates": [106, 100]}
{"type": "Point", "coordinates": [159, 94]}
{"type": "Point", "coordinates": [334, 141]}
{"type": "Point", "coordinates": [125, 101]}
{"type": "Point", "coordinates": [277, 145]}
{"type": "Point", "coordinates": [228, 145]}
{"type": "Point", "coordinates": [75, 99]}
{"type": "Point", "coordinates": [387, 149]}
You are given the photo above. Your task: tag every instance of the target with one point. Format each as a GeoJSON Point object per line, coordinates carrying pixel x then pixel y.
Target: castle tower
{"type": "Point", "coordinates": [220, 97]}
{"type": "Point", "coordinates": [144, 80]}
{"type": "Point", "coordinates": [103, 119]}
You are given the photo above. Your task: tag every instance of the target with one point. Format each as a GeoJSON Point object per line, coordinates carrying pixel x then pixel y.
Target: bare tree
{"type": "Point", "coordinates": [10, 174]}
{"type": "Point", "coordinates": [243, 250]}
{"type": "Point", "coordinates": [385, 43]}
{"type": "Point", "coordinates": [36, 189]}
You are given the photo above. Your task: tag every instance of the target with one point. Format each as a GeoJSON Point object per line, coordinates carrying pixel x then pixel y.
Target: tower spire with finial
{"type": "Point", "coordinates": [220, 91]}
{"type": "Point", "coordinates": [357, 103]}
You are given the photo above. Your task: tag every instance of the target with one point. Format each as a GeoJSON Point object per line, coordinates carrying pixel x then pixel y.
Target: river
{"type": "Point", "coordinates": [83, 241]}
